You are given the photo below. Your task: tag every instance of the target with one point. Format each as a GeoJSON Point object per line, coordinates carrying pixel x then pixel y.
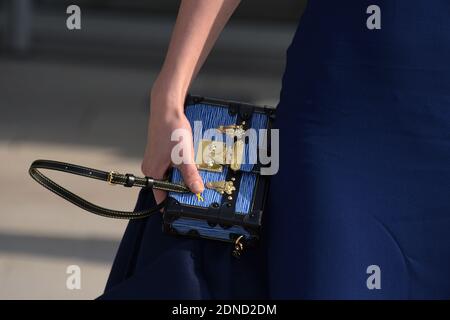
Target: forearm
{"type": "Point", "coordinates": [197, 28]}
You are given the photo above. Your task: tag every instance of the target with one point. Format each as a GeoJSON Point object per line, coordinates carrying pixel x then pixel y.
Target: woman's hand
{"type": "Point", "coordinates": [166, 116]}
{"type": "Point", "coordinates": [198, 25]}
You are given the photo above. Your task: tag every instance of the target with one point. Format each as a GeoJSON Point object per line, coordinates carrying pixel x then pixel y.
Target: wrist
{"type": "Point", "coordinates": [166, 105]}
{"type": "Point", "coordinates": [169, 89]}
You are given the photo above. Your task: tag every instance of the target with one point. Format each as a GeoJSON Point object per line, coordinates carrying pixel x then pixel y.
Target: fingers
{"type": "Point", "coordinates": [191, 177]}
{"type": "Point", "coordinates": [177, 151]}
{"type": "Point", "coordinates": [188, 168]}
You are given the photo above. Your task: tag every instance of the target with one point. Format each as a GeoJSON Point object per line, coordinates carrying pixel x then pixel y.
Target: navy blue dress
{"type": "Point", "coordinates": [360, 207]}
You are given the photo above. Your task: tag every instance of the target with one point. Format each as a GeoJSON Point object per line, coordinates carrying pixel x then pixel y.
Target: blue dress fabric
{"type": "Point", "coordinates": [364, 179]}
{"type": "Point", "coordinates": [153, 265]}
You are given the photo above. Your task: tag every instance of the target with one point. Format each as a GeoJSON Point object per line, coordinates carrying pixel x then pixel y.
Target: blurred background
{"type": "Point", "coordinates": [82, 96]}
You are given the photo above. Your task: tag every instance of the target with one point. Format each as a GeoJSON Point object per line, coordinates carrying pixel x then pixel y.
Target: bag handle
{"type": "Point", "coordinates": [112, 177]}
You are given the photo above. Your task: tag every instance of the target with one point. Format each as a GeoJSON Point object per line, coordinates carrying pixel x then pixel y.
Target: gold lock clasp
{"type": "Point", "coordinates": [237, 155]}
{"type": "Point", "coordinates": [212, 155]}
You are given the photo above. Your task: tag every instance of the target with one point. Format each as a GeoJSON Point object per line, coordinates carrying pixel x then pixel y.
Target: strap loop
{"type": "Point", "coordinates": [129, 182]}
{"type": "Point", "coordinates": [112, 177]}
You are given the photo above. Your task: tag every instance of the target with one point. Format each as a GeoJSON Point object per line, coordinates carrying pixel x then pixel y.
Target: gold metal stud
{"type": "Point", "coordinates": [221, 186]}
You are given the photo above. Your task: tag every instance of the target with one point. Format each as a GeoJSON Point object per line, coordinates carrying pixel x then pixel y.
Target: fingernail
{"type": "Point", "coordinates": [196, 187]}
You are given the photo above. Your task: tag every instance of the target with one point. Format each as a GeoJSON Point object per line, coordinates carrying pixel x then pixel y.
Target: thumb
{"type": "Point", "coordinates": [191, 177]}
{"type": "Point", "coordinates": [188, 168]}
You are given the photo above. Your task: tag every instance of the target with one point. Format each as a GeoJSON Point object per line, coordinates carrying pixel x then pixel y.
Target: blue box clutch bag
{"type": "Point", "coordinates": [230, 166]}
{"type": "Point", "coordinates": [230, 140]}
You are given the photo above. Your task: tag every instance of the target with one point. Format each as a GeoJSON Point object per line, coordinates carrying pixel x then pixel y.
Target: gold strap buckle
{"type": "Point", "coordinates": [110, 177]}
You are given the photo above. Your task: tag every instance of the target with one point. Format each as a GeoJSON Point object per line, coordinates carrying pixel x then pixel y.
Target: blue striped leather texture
{"type": "Point", "coordinates": [213, 116]}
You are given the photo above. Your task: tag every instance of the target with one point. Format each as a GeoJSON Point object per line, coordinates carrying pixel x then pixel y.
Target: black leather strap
{"type": "Point", "coordinates": [128, 180]}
